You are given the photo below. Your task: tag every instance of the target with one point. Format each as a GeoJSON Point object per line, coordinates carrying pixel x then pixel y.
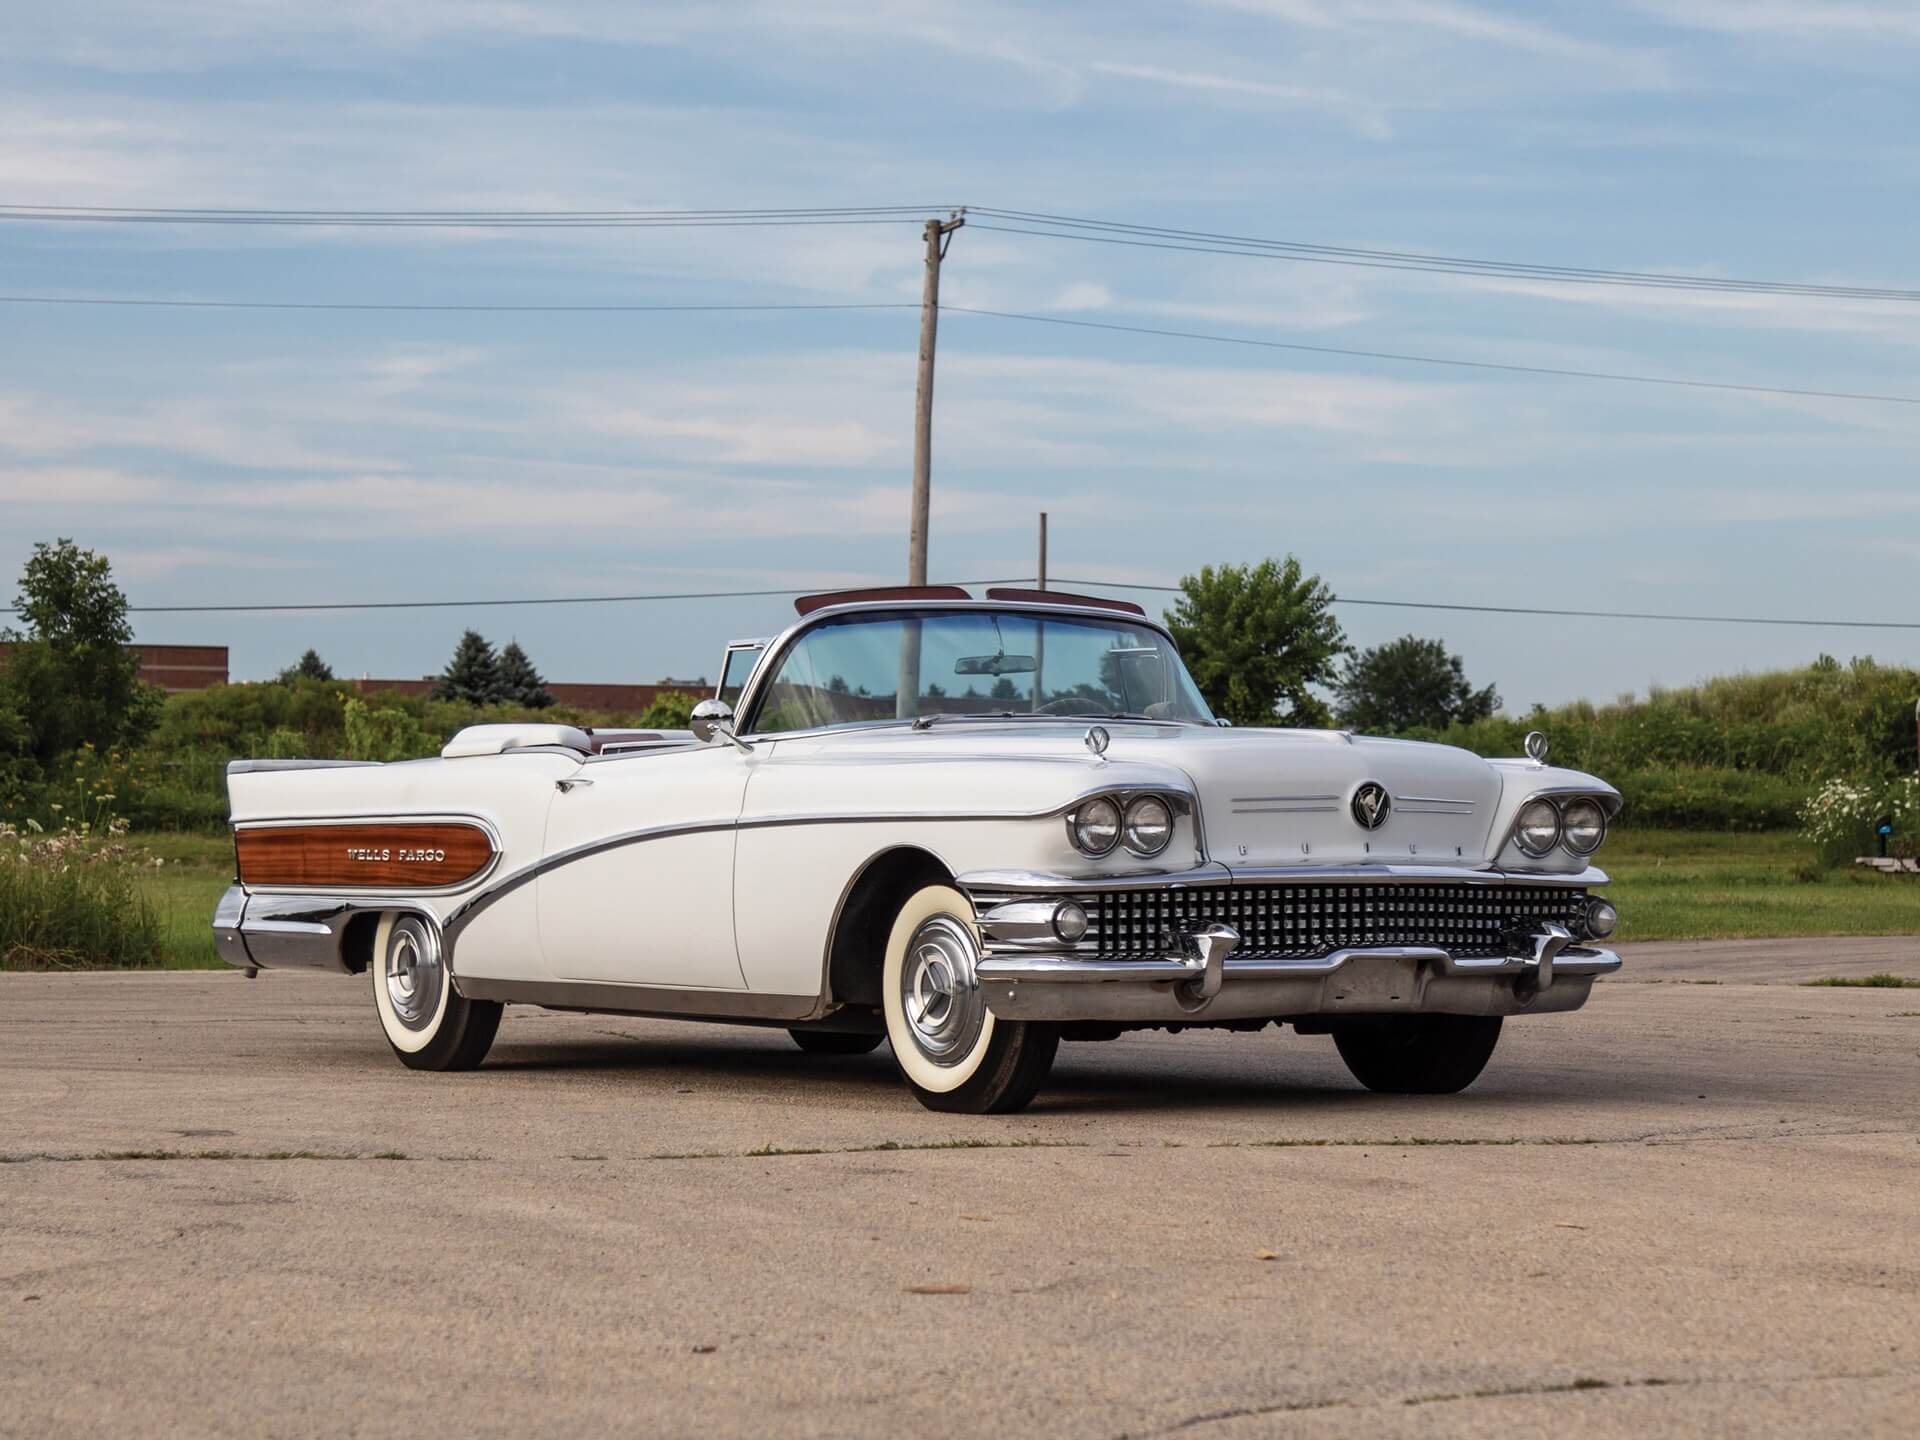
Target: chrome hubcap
{"type": "Point", "coordinates": [939, 993]}
{"type": "Point", "coordinates": [415, 976]}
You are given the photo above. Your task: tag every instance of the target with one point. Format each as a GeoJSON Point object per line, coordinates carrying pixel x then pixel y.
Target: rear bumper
{"type": "Point", "coordinates": [276, 932]}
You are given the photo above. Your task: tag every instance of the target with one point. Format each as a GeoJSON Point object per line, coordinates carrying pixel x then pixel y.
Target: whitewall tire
{"type": "Point", "coordinates": [429, 1025]}
{"type": "Point", "coordinates": [952, 1051]}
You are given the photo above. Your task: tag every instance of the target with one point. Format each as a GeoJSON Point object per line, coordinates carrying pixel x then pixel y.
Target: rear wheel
{"type": "Point", "coordinates": [951, 1050]}
{"type": "Point", "coordinates": [429, 1025]}
{"type": "Point", "coordinates": [835, 1042]}
{"type": "Point", "coordinates": [1418, 1054]}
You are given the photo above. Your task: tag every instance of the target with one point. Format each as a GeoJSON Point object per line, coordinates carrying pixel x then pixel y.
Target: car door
{"type": "Point", "coordinates": [639, 884]}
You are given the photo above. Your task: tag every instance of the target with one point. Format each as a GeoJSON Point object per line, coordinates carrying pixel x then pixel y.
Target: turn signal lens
{"type": "Point", "coordinates": [1149, 826]}
{"type": "Point", "coordinates": [1095, 826]}
{"type": "Point", "coordinates": [1586, 826]}
{"type": "Point", "coordinates": [1070, 922]}
{"type": "Point", "coordinates": [1601, 918]}
{"type": "Point", "coordinates": [1538, 830]}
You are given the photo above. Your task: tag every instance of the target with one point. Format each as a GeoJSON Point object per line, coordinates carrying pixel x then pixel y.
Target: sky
{"type": "Point", "coordinates": [288, 456]}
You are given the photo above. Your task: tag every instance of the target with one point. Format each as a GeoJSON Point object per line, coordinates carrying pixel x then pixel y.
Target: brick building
{"type": "Point", "coordinates": [175, 668]}
{"type": "Point", "coordinates": [179, 668]}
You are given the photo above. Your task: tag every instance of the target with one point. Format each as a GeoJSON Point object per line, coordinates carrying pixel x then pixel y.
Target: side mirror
{"type": "Point", "coordinates": [709, 719]}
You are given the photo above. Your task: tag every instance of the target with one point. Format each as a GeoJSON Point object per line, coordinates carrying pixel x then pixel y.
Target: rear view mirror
{"type": "Point", "coordinates": [994, 665]}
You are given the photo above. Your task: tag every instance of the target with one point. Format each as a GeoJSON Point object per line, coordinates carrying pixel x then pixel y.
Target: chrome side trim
{"type": "Point", "coordinates": [1011, 882]}
{"type": "Point", "coordinates": [614, 999]}
{"type": "Point", "coordinates": [464, 913]}
{"type": "Point", "coordinates": [252, 767]}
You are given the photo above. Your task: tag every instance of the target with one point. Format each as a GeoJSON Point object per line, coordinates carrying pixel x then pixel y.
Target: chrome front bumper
{"type": "Point", "coordinates": [1200, 977]}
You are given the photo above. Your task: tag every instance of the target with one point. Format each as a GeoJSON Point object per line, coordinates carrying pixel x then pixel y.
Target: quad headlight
{"type": "Point", "coordinates": [1149, 826]}
{"type": "Point", "coordinates": [1142, 823]}
{"type": "Point", "coordinates": [1584, 825]}
{"type": "Point", "coordinates": [1094, 826]}
{"type": "Point", "coordinates": [1537, 830]}
{"type": "Point", "coordinates": [1576, 824]}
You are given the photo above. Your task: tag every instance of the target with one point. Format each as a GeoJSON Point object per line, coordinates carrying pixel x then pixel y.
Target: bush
{"type": "Point", "coordinates": [1841, 817]}
{"type": "Point", "coordinates": [672, 710]}
{"type": "Point", "coordinates": [1681, 797]}
{"type": "Point", "coordinates": [1804, 725]}
{"type": "Point", "coordinates": [68, 905]}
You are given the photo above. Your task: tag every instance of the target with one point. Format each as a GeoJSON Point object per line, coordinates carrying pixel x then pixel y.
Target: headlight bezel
{"type": "Point", "coordinates": [1605, 803]}
{"type": "Point", "coordinates": [1134, 807]}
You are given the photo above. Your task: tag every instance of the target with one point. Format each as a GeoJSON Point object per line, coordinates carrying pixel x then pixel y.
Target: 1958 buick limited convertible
{"type": "Point", "coordinates": [968, 827]}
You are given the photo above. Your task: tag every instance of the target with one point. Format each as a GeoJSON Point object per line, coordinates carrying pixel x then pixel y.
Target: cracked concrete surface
{"type": "Point", "coordinates": [1685, 1209]}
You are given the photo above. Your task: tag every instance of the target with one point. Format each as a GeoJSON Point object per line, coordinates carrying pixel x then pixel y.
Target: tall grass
{"type": "Point", "coordinates": [67, 912]}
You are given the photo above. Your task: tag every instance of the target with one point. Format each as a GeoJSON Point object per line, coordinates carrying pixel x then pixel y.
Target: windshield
{"type": "Point", "coordinates": [863, 668]}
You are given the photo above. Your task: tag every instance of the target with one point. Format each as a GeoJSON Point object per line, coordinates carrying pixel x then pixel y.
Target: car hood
{"type": "Point", "coordinates": [1267, 797]}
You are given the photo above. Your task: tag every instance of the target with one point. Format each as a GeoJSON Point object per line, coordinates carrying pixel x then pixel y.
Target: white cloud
{"type": "Point", "coordinates": [1364, 119]}
{"type": "Point", "coordinates": [1790, 19]}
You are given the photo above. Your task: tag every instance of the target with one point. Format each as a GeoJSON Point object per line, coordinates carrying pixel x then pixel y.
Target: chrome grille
{"type": "Point", "coordinates": [1307, 921]}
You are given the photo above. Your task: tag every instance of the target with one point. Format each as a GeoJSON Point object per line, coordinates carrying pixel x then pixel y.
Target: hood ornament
{"type": "Point", "coordinates": [1098, 739]}
{"type": "Point", "coordinates": [1536, 746]}
{"type": "Point", "coordinates": [1371, 805]}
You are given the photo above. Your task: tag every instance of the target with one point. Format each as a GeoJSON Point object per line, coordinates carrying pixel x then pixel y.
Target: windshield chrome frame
{"type": "Point", "coordinates": [775, 654]}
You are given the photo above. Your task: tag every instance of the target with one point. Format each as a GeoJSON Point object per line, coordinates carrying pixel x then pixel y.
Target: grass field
{"type": "Point", "coordinates": [184, 891]}
{"type": "Point", "coordinates": [1705, 885]}
{"type": "Point", "coordinates": [1668, 885]}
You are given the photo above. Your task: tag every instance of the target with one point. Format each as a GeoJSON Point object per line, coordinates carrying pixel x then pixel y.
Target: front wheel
{"type": "Point", "coordinates": [428, 1024]}
{"type": "Point", "coordinates": [952, 1051]}
{"type": "Point", "coordinates": [1418, 1054]}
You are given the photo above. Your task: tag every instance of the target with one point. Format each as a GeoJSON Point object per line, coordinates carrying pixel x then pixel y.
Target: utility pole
{"type": "Point", "coordinates": [939, 235]}
{"type": "Point", "coordinates": [1040, 625]}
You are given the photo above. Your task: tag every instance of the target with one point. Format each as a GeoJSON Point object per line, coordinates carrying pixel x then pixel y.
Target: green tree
{"type": "Point", "coordinates": [70, 678]}
{"type": "Point", "coordinates": [1256, 639]}
{"type": "Point", "coordinates": [473, 674]}
{"type": "Point", "coordinates": [1409, 683]}
{"type": "Point", "coordinates": [520, 683]}
{"type": "Point", "coordinates": [308, 667]}
{"type": "Point", "coordinates": [670, 710]}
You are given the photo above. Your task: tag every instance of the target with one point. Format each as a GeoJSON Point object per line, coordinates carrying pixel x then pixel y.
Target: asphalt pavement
{"type": "Point", "coordinates": [1691, 1208]}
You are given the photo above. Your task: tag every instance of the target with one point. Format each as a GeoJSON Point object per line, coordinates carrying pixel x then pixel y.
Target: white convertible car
{"type": "Point", "coordinates": [971, 828]}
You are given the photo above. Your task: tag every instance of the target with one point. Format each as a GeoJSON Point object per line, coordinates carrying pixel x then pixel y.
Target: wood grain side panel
{"type": "Point", "coordinates": [396, 856]}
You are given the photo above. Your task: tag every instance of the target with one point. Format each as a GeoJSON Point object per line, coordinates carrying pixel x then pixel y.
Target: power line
{"type": "Point", "coordinates": [482, 308]}
{"type": "Point", "coordinates": [1544, 611]}
{"type": "Point", "coordinates": [1411, 359]}
{"type": "Point", "coordinates": [1069, 585]}
{"type": "Point", "coordinates": [482, 604]}
{"type": "Point", "coordinates": [467, 219]}
{"type": "Point", "coordinates": [1062, 227]}
{"type": "Point", "coordinates": [1018, 222]}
